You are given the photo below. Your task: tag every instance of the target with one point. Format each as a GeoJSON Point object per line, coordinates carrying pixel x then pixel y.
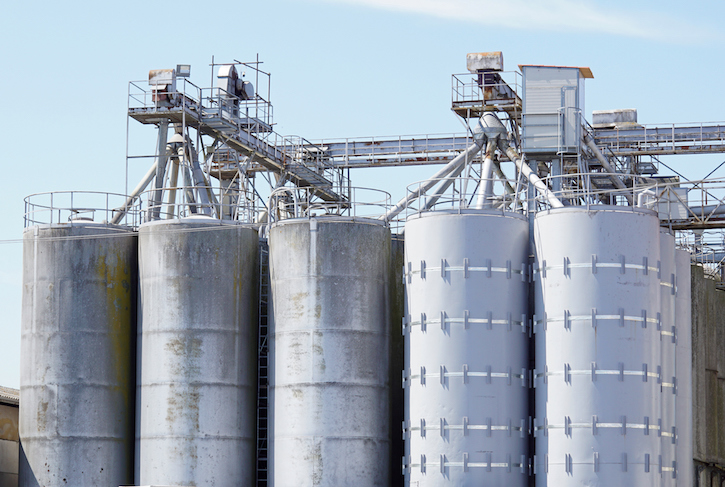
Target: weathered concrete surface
{"type": "Point", "coordinates": [77, 355]}
{"type": "Point", "coordinates": [708, 369]}
{"type": "Point", "coordinates": [329, 353]}
{"type": "Point", "coordinates": [9, 448]}
{"type": "Point", "coordinates": [197, 350]}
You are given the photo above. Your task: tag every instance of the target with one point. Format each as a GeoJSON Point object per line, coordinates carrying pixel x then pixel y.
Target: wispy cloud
{"type": "Point", "coordinates": [555, 15]}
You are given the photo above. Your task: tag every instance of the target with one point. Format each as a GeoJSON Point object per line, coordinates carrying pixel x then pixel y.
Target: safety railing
{"type": "Point", "coordinates": [294, 202]}
{"type": "Point", "coordinates": [230, 204]}
{"type": "Point", "coordinates": [663, 138]}
{"type": "Point", "coordinates": [142, 97]}
{"type": "Point", "coordinates": [679, 204]}
{"type": "Point", "coordinates": [478, 91]}
{"type": "Point", "coordinates": [380, 151]}
{"type": "Point", "coordinates": [253, 115]}
{"type": "Point", "coordinates": [462, 194]}
{"type": "Point", "coordinates": [78, 207]}
{"type": "Point", "coordinates": [211, 105]}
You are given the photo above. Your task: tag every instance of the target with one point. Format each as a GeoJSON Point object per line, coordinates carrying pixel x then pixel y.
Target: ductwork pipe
{"type": "Point", "coordinates": [529, 174]}
{"type": "Point", "coordinates": [451, 167]}
{"type": "Point", "coordinates": [589, 142]}
{"type": "Point", "coordinates": [161, 159]}
{"type": "Point", "coordinates": [492, 126]}
{"type": "Point", "coordinates": [707, 211]}
{"type": "Point", "coordinates": [121, 212]}
{"type": "Point", "coordinates": [485, 189]}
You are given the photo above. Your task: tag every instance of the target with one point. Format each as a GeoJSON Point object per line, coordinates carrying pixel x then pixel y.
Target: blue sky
{"type": "Point", "coordinates": [342, 68]}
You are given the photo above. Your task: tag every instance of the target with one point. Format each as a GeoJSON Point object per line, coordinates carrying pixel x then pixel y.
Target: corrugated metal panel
{"type": "Point", "coordinates": [551, 109]}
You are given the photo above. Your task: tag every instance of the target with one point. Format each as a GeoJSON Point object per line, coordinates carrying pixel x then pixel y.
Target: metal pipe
{"type": "Point", "coordinates": [452, 166]}
{"type": "Point", "coordinates": [446, 183]}
{"type": "Point", "coordinates": [707, 211]}
{"type": "Point", "coordinates": [170, 211]}
{"type": "Point", "coordinates": [161, 159]}
{"type": "Point", "coordinates": [121, 212]}
{"type": "Point", "coordinates": [188, 185]}
{"type": "Point", "coordinates": [491, 126]}
{"type": "Point", "coordinates": [607, 167]}
{"type": "Point", "coordinates": [199, 180]}
{"type": "Point", "coordinates": [499, 173]}
{"type": "Point", "coordinates": [529, 174]}
{"type": "Point", "coordinates": [485, 189]}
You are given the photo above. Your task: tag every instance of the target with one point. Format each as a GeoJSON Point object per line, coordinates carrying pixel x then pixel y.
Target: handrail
{"type": "Point", "coordinates": [76, 207]}
{"type": "Point", "coordinates": [288, 203]}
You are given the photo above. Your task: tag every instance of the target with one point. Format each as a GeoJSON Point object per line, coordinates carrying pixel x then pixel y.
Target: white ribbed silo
{"type": "Point", "coordinates": [329, 345]}
{"type": "Point", "coordinates": [466, 332]}
{"type": "Point", "coordinates": [598, 399]}
{"type": "Point", "coordinates": [683, 405]}
{"type": "Point", "coordinates": [77, 355]}
{"type": "Point", "coordinates": [197, 353]}
{"type": "Point", "coordinates": [668, 342]}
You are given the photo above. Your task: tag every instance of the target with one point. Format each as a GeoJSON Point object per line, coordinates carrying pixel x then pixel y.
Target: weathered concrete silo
{"type": "Point", "coordinates": [197, 353]}
{"type": "Point", "coordinates": [77, 353]}
{"type": "Point", "coordinates": [329, 346]}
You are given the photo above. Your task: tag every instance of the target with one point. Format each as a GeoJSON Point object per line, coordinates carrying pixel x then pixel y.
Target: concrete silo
{"type": "Point", "coordinates": [197, 353]}
{"type": "Point", "coordinates": [683, 369]}
{"type": "Point", "coordinates": [77, 354]}
{"type": "Point", "coordinates": [329, 346]}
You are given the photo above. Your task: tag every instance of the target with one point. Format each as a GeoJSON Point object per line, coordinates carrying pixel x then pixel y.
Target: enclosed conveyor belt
{"type": "Point", "coordinates": [706, 138]}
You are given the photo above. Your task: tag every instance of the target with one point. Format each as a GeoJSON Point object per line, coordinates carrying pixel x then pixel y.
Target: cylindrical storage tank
{"type": "Point", "coordinates": [667, 371]}
{"type": "Point", "coordinates": [683, 405]}
{"type": "Point", "coordinates": [397, 356]}
{"type": "Point", "coordinates": [197, 353]}
{"type": "Point", "coordinates": [77, 379]}
{"type": "Point", "coordinates": [329, 345]}
{"type": "Point", "coordinates": [598, 399]}
{"type": "Point", "coordinates": [466, 332]}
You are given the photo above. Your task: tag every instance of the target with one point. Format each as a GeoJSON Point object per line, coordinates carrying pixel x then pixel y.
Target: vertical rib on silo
{"type": "Point", "coordinates": [197, 353]}
{"type": "Point", "coordinates": [598, 396]}
{"type": "Point", "coordinates": [329, 346]}
{"type": "Point", "coordinates": [466, 331]}
{"type": "Point", "coordinates": [668, 339]}
{"type": "Point", "coordinates": [77, 357]}
{"type": "Point", "coordinates": [683, 369]}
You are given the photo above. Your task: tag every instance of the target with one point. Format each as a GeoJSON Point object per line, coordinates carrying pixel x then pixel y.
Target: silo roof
{"type": "Point", "coordinates": [9, 396]}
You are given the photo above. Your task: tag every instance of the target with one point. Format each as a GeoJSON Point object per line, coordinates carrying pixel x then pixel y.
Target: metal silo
{"type": "Point", "coordinates": [197, 353]}
{"type": "Point", "coordinates": [667, 374]}
{"type": "Point", "coordinates": [683, 405]}
{"type": "Point", "coordinates": [397, 356]}
{"type": "Point", "coordinates": [77, 353]}
{"type": "Point", "coordinates": [598, 399]}
{"type": "Point", "coordinates": [466, 332]}
{"type": "Point", "coordinates": [329, 364]}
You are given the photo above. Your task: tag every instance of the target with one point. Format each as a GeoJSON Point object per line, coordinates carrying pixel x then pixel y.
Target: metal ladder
{"type": "Point", "coordinates": [262, 365]}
